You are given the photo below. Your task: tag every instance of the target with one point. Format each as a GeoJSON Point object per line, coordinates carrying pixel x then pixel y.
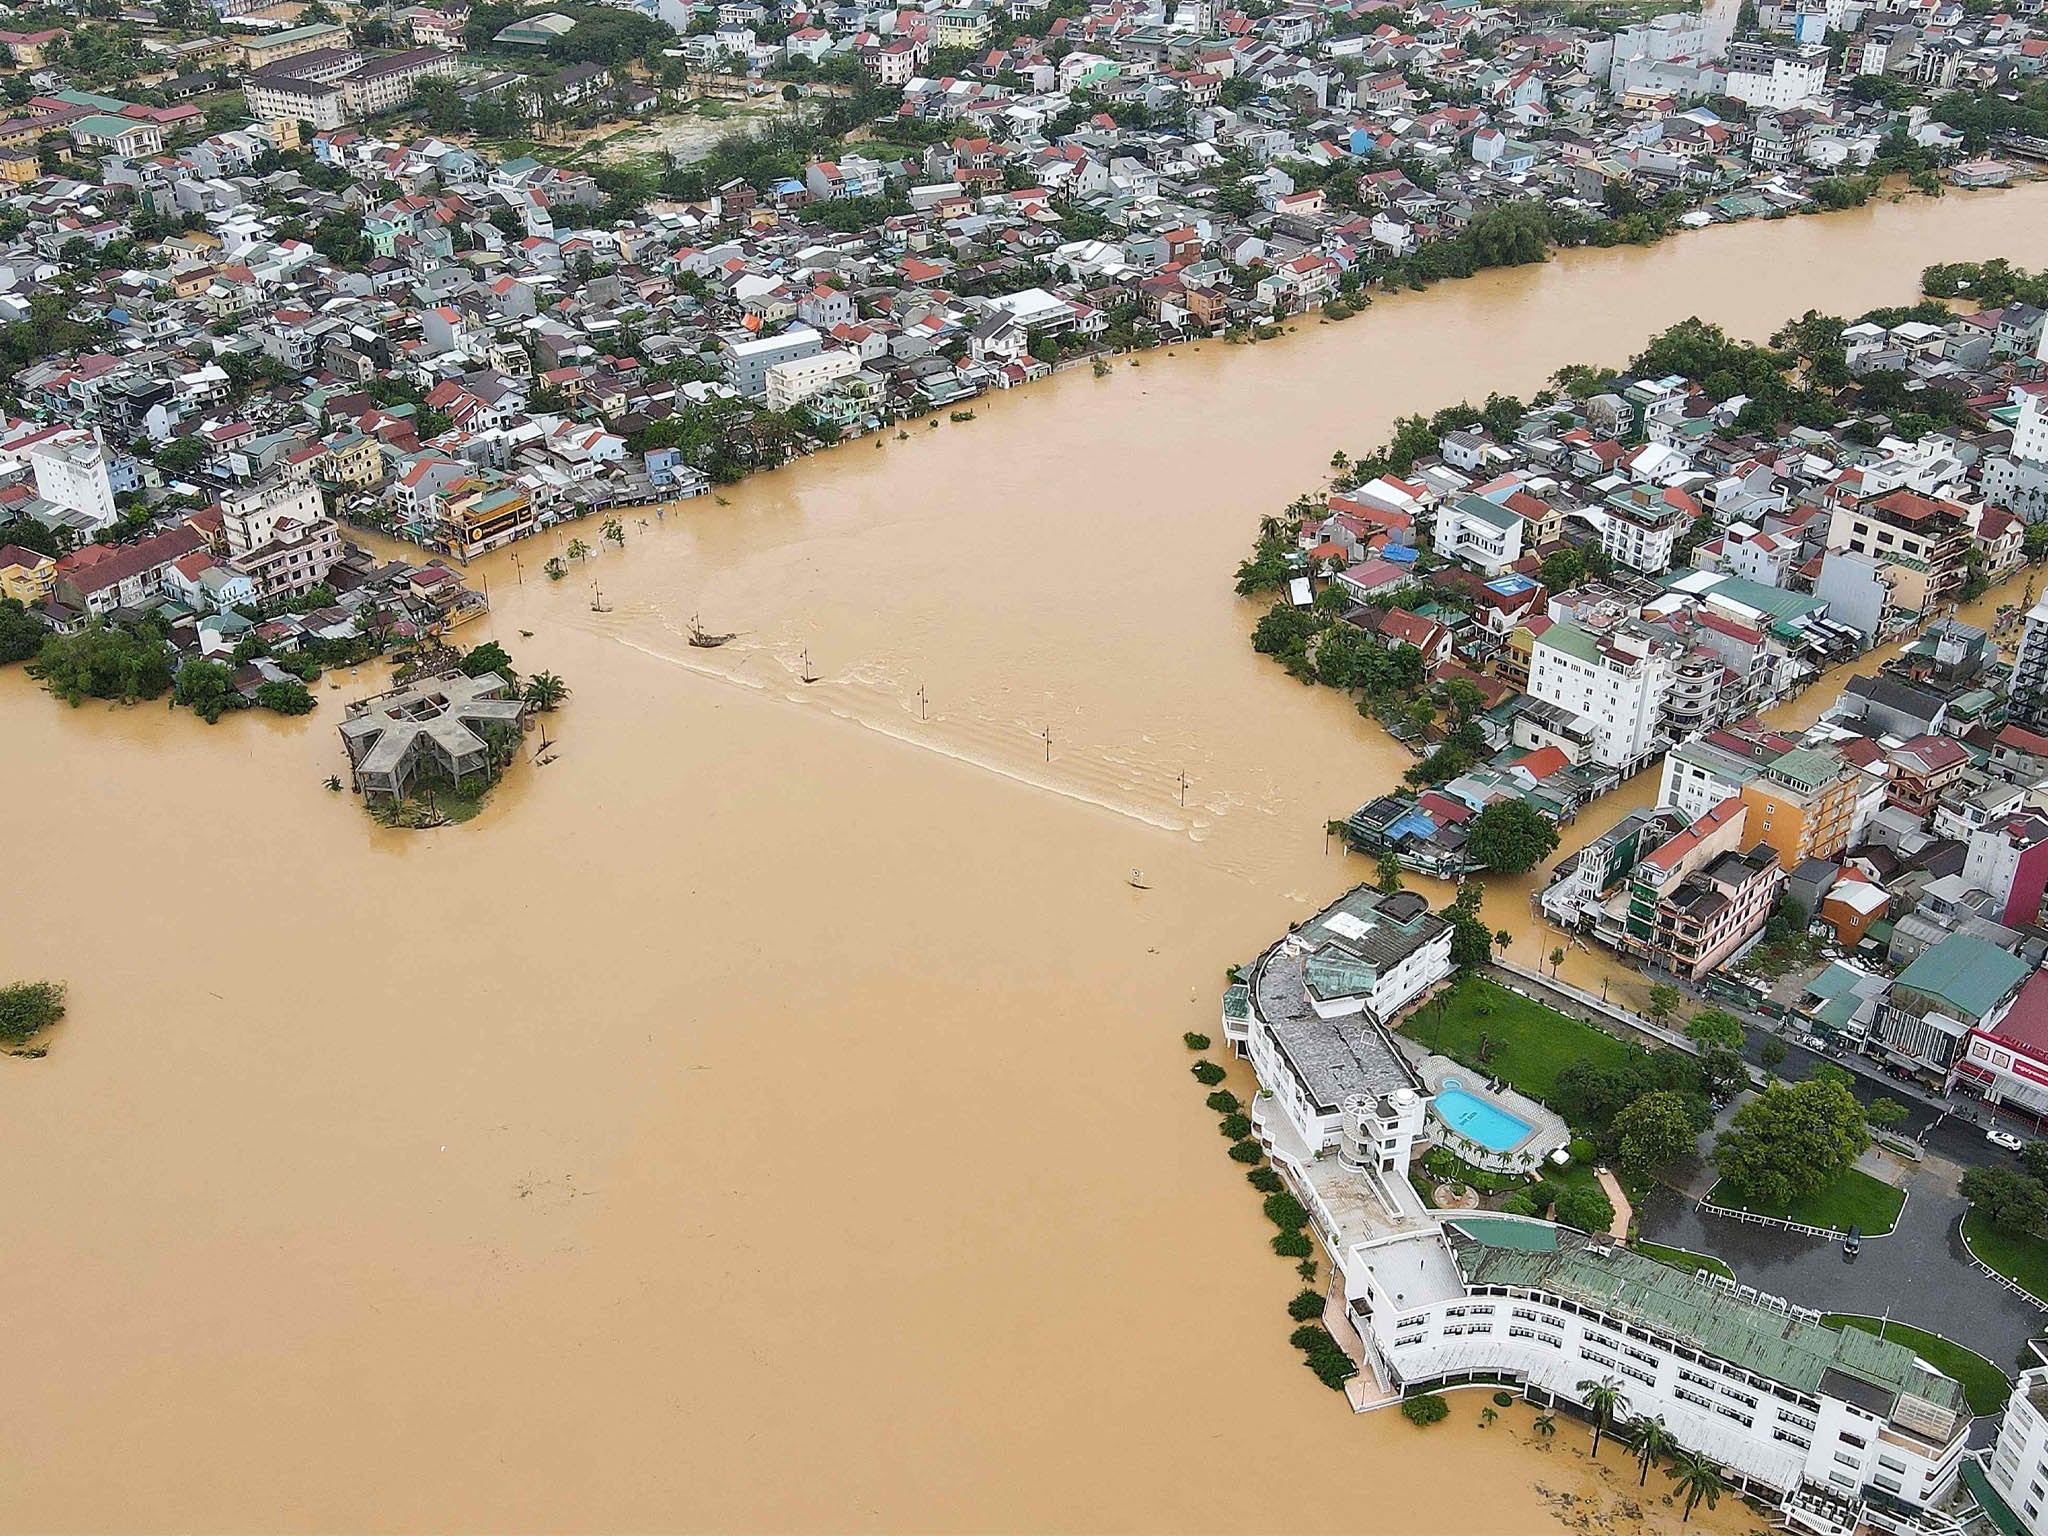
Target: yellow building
{"type": "Point", "coordinates": [477, 516]}
{"type": "Point", "coordinates": [353, 460]}
{"type": "Point", "coordinates": [1803, 805]}
{"type": "Point", "coordinates": [276, 47]}
{"type": "Point", "coordinates": [25, 575]}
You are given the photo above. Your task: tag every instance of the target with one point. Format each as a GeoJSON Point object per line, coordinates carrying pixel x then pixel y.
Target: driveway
{"type": "Point", "coordinates": [1919, 1273]}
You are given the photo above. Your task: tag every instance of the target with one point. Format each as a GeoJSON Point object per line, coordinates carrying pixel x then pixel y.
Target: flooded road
{"type": "Point", "coordinates": [772, 1115]}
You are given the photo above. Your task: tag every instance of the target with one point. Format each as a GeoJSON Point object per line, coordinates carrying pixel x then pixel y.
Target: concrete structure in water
{"type": "Point", "coordinates": [438, 723]}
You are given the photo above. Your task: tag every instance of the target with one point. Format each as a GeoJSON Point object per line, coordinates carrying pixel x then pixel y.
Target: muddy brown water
{"type": "Point", "coordinates": [772, 1115]}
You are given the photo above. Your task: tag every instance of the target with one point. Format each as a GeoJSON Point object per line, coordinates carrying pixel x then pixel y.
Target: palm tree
{"type": "Point", "coordinates": [1556, 960]}
{"type": "Point", "coordinates": [1651, 1440]}
{"type": "Point", "coordinates": [544, 691]}
{"type": "Point", "coordinates": [1487, 1415]}
{"type": "Point", "coordinates": [578, 549]}
{"type": "Point", "coordinates": [1605, 1400]}
{"type": "Point", "coordinates": [1699, 1479]}
{"type": "Point", "coordinates": [1546, 1426]}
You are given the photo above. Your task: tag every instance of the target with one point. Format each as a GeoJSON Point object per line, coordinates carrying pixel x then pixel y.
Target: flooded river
{"type": "Point", "coordinates": [772, 1115]}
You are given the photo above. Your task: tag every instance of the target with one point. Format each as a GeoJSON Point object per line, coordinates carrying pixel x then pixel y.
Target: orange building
{"type": "Point", "coordinates": [1803, 805]}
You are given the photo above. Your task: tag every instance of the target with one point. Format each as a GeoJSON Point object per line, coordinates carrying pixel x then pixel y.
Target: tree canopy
{"type": "Point", "coordinates": [1791, 1140]}
{"type": "Point", "coordinates": [1511, 836]}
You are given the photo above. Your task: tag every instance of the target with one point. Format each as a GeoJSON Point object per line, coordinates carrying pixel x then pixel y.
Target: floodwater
{"type": "Point", "coordinates": [772, 1115]}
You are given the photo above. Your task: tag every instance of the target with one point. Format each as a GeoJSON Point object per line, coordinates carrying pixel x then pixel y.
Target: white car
{"type": "Point", "coordinates": [2004, 1139]}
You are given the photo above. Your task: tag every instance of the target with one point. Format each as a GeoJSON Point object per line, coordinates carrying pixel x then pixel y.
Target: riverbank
{"type": "Point", "coordinates": [629, 1294]}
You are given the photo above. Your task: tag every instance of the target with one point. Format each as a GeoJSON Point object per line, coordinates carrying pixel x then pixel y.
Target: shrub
{"type": "Point", "coordinates": [1265, 1180]}
{"type": "Point", "coordinates": [1235, 1127]}
{"type": "Point", "coordinates": [1519, 1204]}
{"type": "Point", "coordinates": [29, 1007]}
{"type": "Point", "coordinates": [1542, 1194]}
{"type": "Point", "coordinates": [1586, 1208]}
{"type": "Point", "coordinates": [1207, 1073]}
{"type": "Point", "coordinates": [1223, 1101]}
{"type": "Point", "coordinates": [1286, 1212]}
{"type": "Point", "coordinates": [1323, 1355]}
{"type": "Point", "coordinates": [1425, 1410]}
{"type": "Point", "coordinates": [1292, 1245]}
{"type": "Point", "coordinates": [1503, 1399]}
{"type": "Point", "coordinates": [1195, 1042]}
{"type": "Point", "coordinates": [285, 698]}
{"type": "Point", "coordinates": [1246, 1151]}
{"type": "Point", "coordinates": [1582, 1150]}
{"type": "Point", "coordinates": [1306, 1306]}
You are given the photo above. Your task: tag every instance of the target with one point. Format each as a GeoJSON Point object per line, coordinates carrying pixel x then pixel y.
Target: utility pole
{"type": "Point", "coordinates": [921, 701]}
{"type": "Point", "coordinates": [1047, 734]}
{"type": "Point", "coordinates": [1184, 791]}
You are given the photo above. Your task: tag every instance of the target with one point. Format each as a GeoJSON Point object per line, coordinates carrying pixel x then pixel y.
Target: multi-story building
{"type": "Point", "coordinates": [1478, 532]}
{"type": "Point", "coordinates": [1698, 898]}
{"type": "Point", "coordinates": [1832, 1421]}
{"type": "Point", "coordinates": [74, 471]}
{"type": "Point", "coordinates": [2029, 688]}
{"type": "Point", "coordinates": [336, 86]}
{"type": "Point", "coordinates": [26, 575]}
{"type": "Point", "coordinates": [747, 358]}
{"type": "Point", "coordinates": [1803, 804]}
{"type": "Point", "coordinates": [2007, 1062]}
{"type": "Point", "coordinates": [1922, 545]}
{"type": "Point", "coordinates": [1778, 79]}
{"type": "Point", "coordinates": [477, 516]}
{"type": "Point", "coordinates": [280, 536]}
{"type": "Point", "coordinates": [1314, 1022]}
{"type": "Point", "coordinates": [798, 378]}
{"type": "Point", "coordinates": [1616, 683]}
{"type": "Point", "coordinates": [2008, 860]}
{"type": "Point", "coordinates": [1640, 526]}
{"type": "Point", "coordinates": [100, 578]}
{"type": "Point", "coordinates": [1699, 774]}
{"type": "Point", "coordinates": [2017, 1467]}
{"type": "Point", "coordinates": [262, 52]}
{"type": "Point", "coordinates": [1962, 984]}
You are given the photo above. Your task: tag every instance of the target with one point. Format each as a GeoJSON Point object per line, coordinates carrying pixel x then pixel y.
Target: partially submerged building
{"type": "Point", "coordinates": [440, 723]}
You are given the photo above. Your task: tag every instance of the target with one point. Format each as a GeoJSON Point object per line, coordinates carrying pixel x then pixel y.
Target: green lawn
{"type": "Point", "coordinates": [1984, 1384]}
{"type": "Point", "coordinates": [1530, 1043]}
{"type": "Point", "coordinates": [1683, 1258]}
{"type": "Point", "coordinates": [1853, 1200]}
{"type": "Point", "coordinates": [2024, 1259]}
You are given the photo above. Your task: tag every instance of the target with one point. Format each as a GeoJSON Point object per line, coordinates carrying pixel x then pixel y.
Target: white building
{"type": "Point", "coordinates": [1313, 1025]}
{"type": "Point", "coordinates": [280, 536]}
{"type": "Point", "coordinates": [796, 380]}
{"type": "Point", "coordinates": [73, 471]}
{"type": "Point", "coordinates": [1697, 776]}
{"type": "Point", "coordinates": [1777, 79]}
{"type": "Point", "coordinates": [747, 359]}
{"type": "Point", "coordinates": [1825, 1418]}
{"type": "Point", "coordinates": [2017, 1467]}
{"type": "Point", "coordinates": [2030, 667]}
{"type": "Point", "coordinates": [1614, 684]}
{"type": "Point", "coordinates": [1478, 532]}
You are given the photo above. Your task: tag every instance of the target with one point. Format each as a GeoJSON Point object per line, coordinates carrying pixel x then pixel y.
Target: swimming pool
{"type": "Point", "coordinates": [1469, 1115]}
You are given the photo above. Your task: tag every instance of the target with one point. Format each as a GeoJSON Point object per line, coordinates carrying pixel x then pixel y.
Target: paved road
{"type": "Point", "coordinates": [1920, 1272]}
{"type": "Point", "coordinates": [1953, 1126]}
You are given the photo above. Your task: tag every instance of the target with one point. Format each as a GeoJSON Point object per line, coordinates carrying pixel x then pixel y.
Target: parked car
{"type": "Point", "coordinates": [2004, 1139]}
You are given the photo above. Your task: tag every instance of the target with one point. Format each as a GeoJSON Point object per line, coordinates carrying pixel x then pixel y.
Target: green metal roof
{"type": "Point", "coordinates": [1332, 973]}
{"type": "Point", "coordinates": [1719, 1321]}
{"type": "Point", "coordinates": [1487, 512]}
{"type": "Point", "coordinates": [1572, 640]}
{"type": "Point", "coordinates": [1965, 971]}
{"type": "Point", "coordinates": [1995, 1508]}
